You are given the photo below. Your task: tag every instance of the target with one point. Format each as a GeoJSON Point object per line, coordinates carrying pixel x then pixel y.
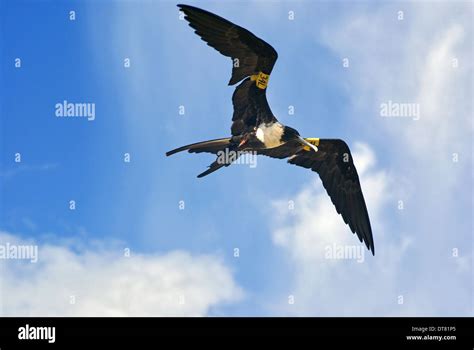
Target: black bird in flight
{"type": "Point", "coordinates": [255, 129]}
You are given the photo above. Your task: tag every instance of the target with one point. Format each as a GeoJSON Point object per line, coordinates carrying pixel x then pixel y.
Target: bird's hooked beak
{"type": "Point", "coordinates": [307, 146]}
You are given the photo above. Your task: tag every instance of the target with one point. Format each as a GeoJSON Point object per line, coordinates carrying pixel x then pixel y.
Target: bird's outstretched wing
{"type": "Point", "coordinates": [250, 55]}
{"type": "Point", "coordinates": [333, 162]}
{"type": "Point", "coordinates": [252, 59]}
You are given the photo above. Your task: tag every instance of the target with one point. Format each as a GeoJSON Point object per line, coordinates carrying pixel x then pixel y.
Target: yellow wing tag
{"type": "Point", "coordinates": [312, 140]}
{"type": "Point", "coordinates": [261, 80]}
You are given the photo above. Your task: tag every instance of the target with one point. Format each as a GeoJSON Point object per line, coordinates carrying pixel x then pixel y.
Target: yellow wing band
{"type": "Point", "coordinates": [261, 80]}
{"type": "Point", "coordinates": [312, 140]}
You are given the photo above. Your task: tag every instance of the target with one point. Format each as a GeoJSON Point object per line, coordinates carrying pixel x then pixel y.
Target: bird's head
{"type": "Point", "coordinates": [290, 134]}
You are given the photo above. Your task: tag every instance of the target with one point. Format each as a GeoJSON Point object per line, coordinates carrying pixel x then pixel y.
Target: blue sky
{"type": "Point", "coordinates": [136, 205]}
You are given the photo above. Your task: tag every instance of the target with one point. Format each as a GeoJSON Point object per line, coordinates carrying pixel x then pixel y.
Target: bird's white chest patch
{"type": "Point", "coordinates": [270, 134]}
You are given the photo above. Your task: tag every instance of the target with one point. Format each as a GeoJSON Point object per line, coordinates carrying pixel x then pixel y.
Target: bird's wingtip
{"type": "Point", "coordinates": [184, 6]}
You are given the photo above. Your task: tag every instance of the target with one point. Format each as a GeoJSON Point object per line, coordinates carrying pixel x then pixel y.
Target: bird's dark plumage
{"type": "Point", "coordinates": [250, 55]}
{"type": "Point", "coordinates": [250, 107]}
{"type": "Point", "coordinates": [256, 129]}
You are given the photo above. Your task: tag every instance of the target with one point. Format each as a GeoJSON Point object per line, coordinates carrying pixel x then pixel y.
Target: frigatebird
{"type": "Point", "coordinates": [255, 128]}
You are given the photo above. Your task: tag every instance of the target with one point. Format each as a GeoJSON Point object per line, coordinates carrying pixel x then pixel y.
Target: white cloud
{"type": "Point", "coordinates": [313, 226]}
{"type": "Point", "coordinates": [104, 282]}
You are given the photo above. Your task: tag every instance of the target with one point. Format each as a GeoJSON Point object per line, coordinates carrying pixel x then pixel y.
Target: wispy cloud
{"type": "Point", "coordinates": [313, 227]}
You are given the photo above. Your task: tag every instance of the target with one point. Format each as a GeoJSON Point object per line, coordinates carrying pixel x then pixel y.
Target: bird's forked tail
{"type": "Point", "coordinates": [211, 146]}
